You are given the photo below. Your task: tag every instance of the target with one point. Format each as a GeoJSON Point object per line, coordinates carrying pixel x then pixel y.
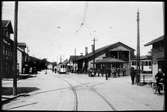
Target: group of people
{"type": "Point", "coordinates": [115, 72]}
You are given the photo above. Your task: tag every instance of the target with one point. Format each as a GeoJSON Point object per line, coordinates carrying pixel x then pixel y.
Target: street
{"type": "Point", "coordinates": [78, 92]}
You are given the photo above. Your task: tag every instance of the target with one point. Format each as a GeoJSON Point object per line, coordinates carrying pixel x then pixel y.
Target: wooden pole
{"type": "Point", "coordinates": [15, 49]}
{"type": "Point", "coordinates": [1, 54]}
{"type": "Point", "coordinates": [165, 56]}
{"type": "Point", "coordinates": [75, 61]}
{"type": "Point", "coordinates": [138, 48]}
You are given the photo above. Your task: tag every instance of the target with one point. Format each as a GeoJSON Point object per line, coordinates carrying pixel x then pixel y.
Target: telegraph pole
{"type": "Point", "coordinates": [75, 60]}
{"type": "Point", "coordinates": [1, 55]}
{"type": "Point", "coordinates": [15, 49]}
{"type": "Point", "coordinates": [138, 49]}
{"type": "Point", "coordinates": [165, 55]}
{"type": "Point", "coordinates": [93, 54]}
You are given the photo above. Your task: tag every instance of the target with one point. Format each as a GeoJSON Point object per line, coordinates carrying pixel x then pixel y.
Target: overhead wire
{"type": "Point", "coordinates": [84, 17]}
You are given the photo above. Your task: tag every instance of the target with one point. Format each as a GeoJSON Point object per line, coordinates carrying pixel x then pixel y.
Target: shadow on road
{"type": "Point", "coordinates": [9, 90]}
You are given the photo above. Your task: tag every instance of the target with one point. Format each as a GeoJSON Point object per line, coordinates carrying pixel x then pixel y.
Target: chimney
{"type": "Point", "coordinates": [81, 54]}
{"type": "Point", "coordinates": [86, 50]}
{"type": "Point", "coordinates": [92, 47]}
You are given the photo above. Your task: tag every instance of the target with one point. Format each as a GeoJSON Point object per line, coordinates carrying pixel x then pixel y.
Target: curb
{"type": "Point", "coordinates": [12, 98]}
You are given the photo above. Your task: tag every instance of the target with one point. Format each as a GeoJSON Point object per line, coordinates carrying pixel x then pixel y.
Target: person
{"type": "Point", "coordinates": [159, 79]}
{"type": "Point", "coordinates": [132, 74]}
{"type": "Point", "coordinates": [123, 71]}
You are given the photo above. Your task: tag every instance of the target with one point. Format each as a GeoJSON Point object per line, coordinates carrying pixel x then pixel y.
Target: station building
{"type": "Point", "coordinates": [117, 55]}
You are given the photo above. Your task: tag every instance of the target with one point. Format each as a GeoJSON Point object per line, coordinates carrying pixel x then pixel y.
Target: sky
{"type": "Point", "coordinates": [53, 29]}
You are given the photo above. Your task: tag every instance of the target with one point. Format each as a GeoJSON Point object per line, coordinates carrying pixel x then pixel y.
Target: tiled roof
{"type": "Point", "coordinates": [7, 24]}
{"type": "Point", "coordinates": [154, 41]}
{"type": "Point", "coordinates": [142, 57]}
{"type": "Point", "coordinates": [72, 58]}
{"type": "Point", "coordinates": [110, 60]}
{"type": "Point", "coordinates": [22, 44]}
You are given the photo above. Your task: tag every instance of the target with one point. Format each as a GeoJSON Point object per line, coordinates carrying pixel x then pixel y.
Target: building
{"type": "Point", "coordinates": [23, 56]}
{"type": "Point", "coordinates": [7, 49]}
{"type": "Point", "coordinates": [158, 53]}
{"type": "Point", "coordinates": [117, 55]}
{"type": "Point", "coordinates": [73, 63]}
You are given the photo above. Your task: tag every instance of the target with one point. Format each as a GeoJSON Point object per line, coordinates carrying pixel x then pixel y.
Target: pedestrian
{"type": "Point", "coordinates": [123, 71]}
{"type": "Point", "coordinates": [114, 72]}
{"type": "Point", "coordinates": [106, 73]}
{"type": "Point", "coordinates": [159, 77]}
{"type": "Point", "coordinates": [132, 74]}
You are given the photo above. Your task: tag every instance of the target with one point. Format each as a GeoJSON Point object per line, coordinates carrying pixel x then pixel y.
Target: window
{"type": "Point", "coordinates": [133, 62]}
{"type": "Point", "coordinates": [149, 63]}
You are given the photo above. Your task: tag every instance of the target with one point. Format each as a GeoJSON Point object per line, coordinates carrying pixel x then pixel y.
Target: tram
{"type": "Point", "coordinates": [62, 68]}
{"type": "Point", "coordinates": [145, 65]}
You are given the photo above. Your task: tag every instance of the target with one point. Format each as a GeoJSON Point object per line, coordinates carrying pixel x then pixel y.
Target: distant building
{"type": "Point", "coordinates": [22, 57]}
{"type": "Point", "coordinates": [158, 53]}
{"type": "Point", "coordinates": [117, 55]}
{"type": "Point", "coordinates": [73, 63]}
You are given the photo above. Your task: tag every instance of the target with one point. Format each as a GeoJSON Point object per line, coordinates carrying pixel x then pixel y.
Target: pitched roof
{"type": "Point", "coordinates": [7, 24]}
{"type": "Point", "coordinates": [110, 60]}
{"type": "Point", "coordinates": [154, 41]}
{"type": "Point", "coordinates": [143, 57]}
{"type": "Point", "coordinates": [22, 44]}
{"type": "Point", "coordinates": [73, 58]}
{"type": "Point", "coordinates": [105, 48]}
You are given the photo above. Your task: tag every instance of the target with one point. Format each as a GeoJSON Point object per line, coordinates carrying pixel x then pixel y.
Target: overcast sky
{"type": "Point", "coordinates": [52, 29]}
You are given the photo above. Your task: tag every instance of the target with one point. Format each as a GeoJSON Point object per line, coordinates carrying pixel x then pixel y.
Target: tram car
{"type": "Point", "coordinates": [62, 68]}
{"type": "Point", "coordinates": [145, 65]}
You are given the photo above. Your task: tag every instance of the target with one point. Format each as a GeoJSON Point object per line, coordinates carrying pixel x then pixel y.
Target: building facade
{"type": "Point", "coordinates": [117, 55]}
{"type": "Point", "coordinates": [7, 49]}
{"type": "Point", "coordinates": [158, 54]}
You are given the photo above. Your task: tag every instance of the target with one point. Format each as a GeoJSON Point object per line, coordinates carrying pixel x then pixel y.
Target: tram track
{"type": "Point", "coordinates": [75, 108]}
{"type": "Point", "coordinates": [89, 86]}
{"type": "Point", "coordinates": [92, 89]}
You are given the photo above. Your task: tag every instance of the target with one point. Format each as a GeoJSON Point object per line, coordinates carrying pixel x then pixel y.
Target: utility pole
{"type": "Point", "coordinates": [60, 59]}
{"type": "Point", "coordinates": [93, 54]}
{"type": "Point", "coordinates": [1, 53]}
{"type": "Point", "coordinates": [138, 49]}
{"type": "Point", "coordinates": [165, 55]}
{"type": "Point", "coordinates": [75, 60]}
{"type": "Point", "coordinates": [15, 49]}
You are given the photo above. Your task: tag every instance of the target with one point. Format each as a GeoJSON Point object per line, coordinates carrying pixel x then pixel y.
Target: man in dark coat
{"type": "Point", "coordinates": [159, 77]}
{"type": "Point", "coordinates": [132, 74]}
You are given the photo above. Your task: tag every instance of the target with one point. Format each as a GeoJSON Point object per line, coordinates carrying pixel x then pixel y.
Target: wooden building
{"type": "Point", "coordinates": [7, 49]}
{"type": "Point", "coordinates": [158, 53]}
{"type": "Point", "coordinates": [117, 55]}
{"type": "Point", "coordinates": [73, 63]}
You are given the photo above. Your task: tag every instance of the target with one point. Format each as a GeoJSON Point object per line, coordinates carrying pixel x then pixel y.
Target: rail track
{"type": "Point", "coordinates": [91, 88]}
{"type": "Point", "coordinates": [73, 88]}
